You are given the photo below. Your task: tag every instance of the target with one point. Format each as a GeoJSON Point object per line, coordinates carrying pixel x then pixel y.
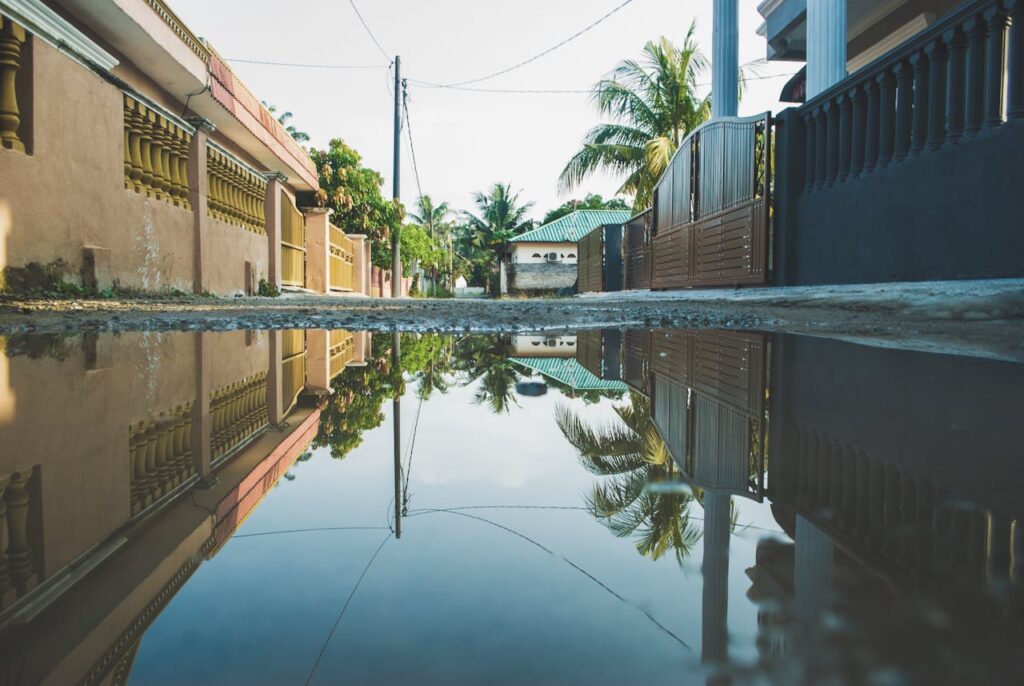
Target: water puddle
{"type": "Point", "coordinates": [611, 507]}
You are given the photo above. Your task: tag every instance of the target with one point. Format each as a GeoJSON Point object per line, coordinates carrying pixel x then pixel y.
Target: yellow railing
{"type": "Point", "coordinates": [156, 154]}
{"type": "Point", "coordinates": [342, 260]}
{"type": "Point", "coordinates": [12, 38]}
{"type": "Point", "coordinates": [238, 411]}
{"type": "Point", "coordinates": [293, 367]}
{"type": "Point", "coordinates": [235, 193]}
{"type": "Point", "coordinates": [160, 453]}
{"type": "Point", "coordinates": [179, 28]}
{"type": "Point", "coordinates": [20, 535]}
{"type": "Point", "coordinates": [293, 244]}
{"type": "Point", "coordinates": [343, 348]}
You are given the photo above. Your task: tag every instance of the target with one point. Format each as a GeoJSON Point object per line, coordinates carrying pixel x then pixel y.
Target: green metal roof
{"type": "Point", "coordinates": [573, 227]}
{"type": "Point", "coordinates": [568, 372]}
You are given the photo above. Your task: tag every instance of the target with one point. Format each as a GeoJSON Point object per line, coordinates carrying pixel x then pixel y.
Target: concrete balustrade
{"type": "Point", "coordinates": [156, 154]}
{"type": "Point", "coordinates": [237, 193]}
{"type": "Point", "coordinates": [12, 39]}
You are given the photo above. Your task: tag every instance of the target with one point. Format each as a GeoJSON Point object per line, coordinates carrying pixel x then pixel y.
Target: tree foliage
{"type": "Point", "coordinates": [500, 216]}
{"type": "Point", "coordinates": [593, 201]}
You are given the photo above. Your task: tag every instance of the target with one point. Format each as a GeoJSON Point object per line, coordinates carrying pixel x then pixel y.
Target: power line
{"type": "Point", "coordinates": [299, 65]}
{"type": "Point", "coordinates": [366, 26]}
{"type": "Point", "coordinates": [540, 54]}
{"type": "Point", "coordinates": [412, 149]}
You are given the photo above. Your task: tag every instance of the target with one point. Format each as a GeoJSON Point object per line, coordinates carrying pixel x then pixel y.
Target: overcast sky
{"type": "Point", "coordinates": [465, 141]}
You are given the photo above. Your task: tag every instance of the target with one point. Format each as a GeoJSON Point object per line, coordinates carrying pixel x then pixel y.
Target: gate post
{"type": "Point", "coordinates": [790, 146]}
{"type": "Point", "coordinates": [197, 193]}
{"type": "Point", "coordinates": [318, 250]}
{"type": "Point", "coordinates": [612, 257]}
{"type": "Point", "coordinates": [272, 210]}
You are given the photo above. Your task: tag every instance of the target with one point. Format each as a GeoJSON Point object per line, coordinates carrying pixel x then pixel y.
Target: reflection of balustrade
{"type": "Point", "coordinates": [342, 260]}
{"type": "Point", "coordinates": [238, 411]}
{"type": "Point", "coordinates": [235, 193]}
{"type": "Point", "coordinates": [12, 38]}
{"type": "Point", "coordinates": [19, 536]}
{"type": "Point", "coordinates": [890, 514]}
{"type": "Point", "coordinates": [155, 154]}
{"type": "Point", "coordinates": [293, 367]}
{"type": "Point", "coordinates": [160, 451]}
{"type": "Point", "coordinates": [343, 350]}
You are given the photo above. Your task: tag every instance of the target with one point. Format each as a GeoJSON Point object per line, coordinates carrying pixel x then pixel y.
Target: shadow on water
{"type": "Point", "coordinates": [609, 507]}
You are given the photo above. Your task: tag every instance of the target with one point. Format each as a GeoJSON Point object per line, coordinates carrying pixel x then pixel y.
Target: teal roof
{"type": "Point", "coordinates": [573, 227]}
{"type": "Point", "coordinates": [568, 372]}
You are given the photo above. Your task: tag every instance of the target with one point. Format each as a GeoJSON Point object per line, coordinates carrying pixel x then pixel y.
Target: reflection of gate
{"type": "Point", "coordinates": [293, 367]}
{"type": "Point", "coordinates": [708, 402]}
{"type": "Point", "coordinates": [293, 244]}
{"type": "Point", "coordinates": [711, 207]}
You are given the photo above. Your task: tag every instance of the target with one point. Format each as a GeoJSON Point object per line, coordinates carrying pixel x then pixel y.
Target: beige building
{"type": "Point", "coordinates": [133, 153]}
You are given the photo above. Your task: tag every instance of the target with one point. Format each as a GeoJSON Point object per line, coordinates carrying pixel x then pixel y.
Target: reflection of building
{"type": "Point", "coordinates": [540, 345]}
{"type": "Point", "coordinates": [128, 461]}
{"type": "Point", "coordinates": [562, 360]}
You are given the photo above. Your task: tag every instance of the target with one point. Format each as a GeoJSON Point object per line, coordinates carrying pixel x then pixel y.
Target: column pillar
{"type": "Point", "coordinates": [197, 198]}
{"type": "Point", "coordinates": [318, 250]}
{"type": "Point", "coordinates": [275, 377]}
{"type": "Point", "coordinates": [826, 44]}
{"type": "Point", "coordinates": [725, 59]}
{"type": "Point", "coordinates": [272, 212]}
{"type": "Point", "coordinates": [318, 360]}
{"type": "Point", "coordinates": [360, 263]}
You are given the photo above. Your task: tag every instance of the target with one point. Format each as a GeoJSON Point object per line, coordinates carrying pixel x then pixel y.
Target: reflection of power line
{"type": "Point", "coordinates": [314, 529]}
{"type": "Point", "coordinates": [569, 562]}
{"type": "Point", "coordinates": [345, 607]}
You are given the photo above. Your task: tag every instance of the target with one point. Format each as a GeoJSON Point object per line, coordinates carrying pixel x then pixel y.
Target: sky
{"type": "Point", "coordinates": [464, 141]}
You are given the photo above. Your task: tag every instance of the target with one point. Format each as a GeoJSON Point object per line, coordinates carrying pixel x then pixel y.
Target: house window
{"type": "Point", "coordinates": [572, 256]}
{"type": "Point", "coordinates": [536, 255]}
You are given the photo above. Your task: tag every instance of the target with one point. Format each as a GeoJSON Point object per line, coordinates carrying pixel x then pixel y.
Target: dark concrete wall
{"type": "Point", "coordinates": [541, 277]}
{"type": "Point", "coordinates": [952, 213]}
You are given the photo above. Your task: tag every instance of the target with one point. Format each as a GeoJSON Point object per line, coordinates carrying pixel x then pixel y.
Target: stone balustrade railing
{"type": "Point", "coordinates": [187, 37]}
{"type": "Point", "coordinates": [235, 192]}
{"type": "Point", "coordinates": [947, 83]}
{"type": "Point", "coordinates": [19, 536]}
{"type": "Point", "coordinates": [12, 39]}
{"type": "Point", "coordinates": [156, 154]}
{"type": "Point", "coordinates": [238, 411]}
{"type": "Point", "coordinates": [342, 260]}
{"type": "Point", "coordinates": [160, 453]}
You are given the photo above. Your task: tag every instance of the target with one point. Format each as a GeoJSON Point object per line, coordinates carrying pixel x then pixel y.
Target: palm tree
{"type": "Point", "coordinates": [283, 119]}
{"type": "Point", "coordinates": [501, 216]}
{"type": "Point", "coordinates": [654, 104]}
{"type": "Point", "coordinates": [434, 219]}
{"type": "Point", "coordinates": [629, 455]}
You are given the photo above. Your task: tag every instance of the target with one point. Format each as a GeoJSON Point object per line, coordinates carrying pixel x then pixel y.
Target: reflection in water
{"type": "Point", "coordinates": [855, 512]}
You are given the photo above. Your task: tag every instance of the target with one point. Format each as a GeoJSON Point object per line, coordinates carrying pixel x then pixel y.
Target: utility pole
{"type": "Point", "coordinates": [396, 258]}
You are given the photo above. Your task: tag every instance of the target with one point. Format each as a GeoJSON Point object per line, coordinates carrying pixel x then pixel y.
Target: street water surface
{"type": "Point", "coordinates": [612, 507]}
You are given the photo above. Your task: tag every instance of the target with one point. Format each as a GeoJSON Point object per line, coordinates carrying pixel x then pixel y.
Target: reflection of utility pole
{"type": "Point", "coordinates": [715, 600]}
{"type": "Point", "coordinates": [396, 420]}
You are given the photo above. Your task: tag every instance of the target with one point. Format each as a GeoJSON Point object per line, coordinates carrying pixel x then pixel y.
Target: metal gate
{"type": "Point", "coordinates": [712, 205]}
{"type": "Point", "coordinates": [293, 244]}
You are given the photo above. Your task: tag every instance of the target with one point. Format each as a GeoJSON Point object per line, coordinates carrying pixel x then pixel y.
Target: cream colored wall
{"type": "Point", "coordinates": [523, 253]}
{"type": "Point", "coordinates": [227, 276]}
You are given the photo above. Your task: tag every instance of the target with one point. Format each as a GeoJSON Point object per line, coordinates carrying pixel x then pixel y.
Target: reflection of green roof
{"type": "Point", "coordinates": [573, 227]}
{"type": "Point", "coordinates": [568, 372]}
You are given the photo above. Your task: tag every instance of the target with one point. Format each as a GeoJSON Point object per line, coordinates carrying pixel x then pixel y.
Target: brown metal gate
{"type": "Point", "coordinates": [711, 207]}
{"type": "Point", "coordinates": [590, 262]}
{"type": "Point", "coordinates": [636, 250]}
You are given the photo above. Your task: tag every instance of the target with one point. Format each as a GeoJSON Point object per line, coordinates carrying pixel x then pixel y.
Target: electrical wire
{"type": "Point", "coordinates": [539, 55]}
{"type": "Point", "coordinates": [299, 65]}
{"type": "Point", "coordinates": [366, 26]}
{"type": "Point", "coordinates": [412, 146]}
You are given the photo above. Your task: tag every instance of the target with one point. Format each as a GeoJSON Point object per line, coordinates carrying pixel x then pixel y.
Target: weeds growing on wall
{"type": "Point", "coordinates": [35, 280]}
{"type": "Point", "coordinates": [268, 290]}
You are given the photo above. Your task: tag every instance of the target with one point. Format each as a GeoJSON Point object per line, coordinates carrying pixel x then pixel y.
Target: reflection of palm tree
{"type": "Point", "coordinates": [630, 455]}
{"type": "Point", "coordinates": [497, 387]}
{"type": "Point", "coordinates": [483, 359]}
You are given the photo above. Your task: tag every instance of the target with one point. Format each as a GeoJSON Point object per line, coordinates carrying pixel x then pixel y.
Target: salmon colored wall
{"type": "Point", "coordinates": [227, 276]}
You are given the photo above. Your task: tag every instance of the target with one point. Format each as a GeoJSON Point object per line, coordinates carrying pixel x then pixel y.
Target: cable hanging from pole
{"type": "Point", "coordinates": [408, 127]}
{"type": "Point", "coordinates": [366, 26]}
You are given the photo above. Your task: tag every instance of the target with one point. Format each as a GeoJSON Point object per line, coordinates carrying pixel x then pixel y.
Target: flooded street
{"type": "Point", "coordinates": [610, 507]}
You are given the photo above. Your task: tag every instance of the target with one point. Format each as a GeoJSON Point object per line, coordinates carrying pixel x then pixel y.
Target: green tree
{"type": "Point", "coordinates": [593, 201]}
{"type": "Point", "coordinates": [484, 360]}
{"type": "Point", "coordinates": [431, 217]}
{"type": "Point", "coordinates": [283, 119]}
{"type": "Point", "coordinates": [653, 105]}
{"type": "Point", "coordinates": [629, 455]}
{"type": "Point", "coordinates": [500, 217]}
{"type": "Point", "coordinates": [353, 193]}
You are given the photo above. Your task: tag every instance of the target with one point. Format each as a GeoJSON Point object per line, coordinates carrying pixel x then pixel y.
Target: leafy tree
{"type": "Point", "coordinates": [283, 119]}
{"type": "Point", "coordinates": [431, 217]}
{"type": "Point", "coordinates": [500, 217]}
{"type": "Point", "coordinates": [628, 455]}
{"type": "Point", "coordinates": [653, 105]}
{"type": "Point", "coordinates": [353, 193]}
{"type": "Point", "coordinates": [593, 201]}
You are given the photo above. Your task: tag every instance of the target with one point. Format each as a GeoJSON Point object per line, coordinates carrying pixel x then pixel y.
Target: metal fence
{"type": "Point", "coordinates": [342, 260]}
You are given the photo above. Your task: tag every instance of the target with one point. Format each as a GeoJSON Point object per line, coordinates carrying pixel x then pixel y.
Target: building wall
{"type": "Point", "coordinates": [526, 253]}
{"type": "Point", "coordinates": [541, 277]}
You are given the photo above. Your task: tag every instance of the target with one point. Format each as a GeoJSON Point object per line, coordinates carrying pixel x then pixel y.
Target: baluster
{"type": "Point", "coordinates": [213, 201]}
{"type": "Point", "coordinates": [832, 142]}
{"type": "Point", "coordinates": [938, 60]}
{"type": "Point", "coordinates": [151, 482]}
{"type": "Point", "coordinates": [862, 525]}
{"type": "Point", "coordinates": [872, 115]}
{"type": "Point", "coordinates": [127, 147]}
{"type": "Point", "coordinates": [957, 81]}
{"type": "Point", "coordinates": [156, 153]}
{"type": "Point", "coordinates": [904, 109]}
{"type": "Point", "coordinates": [164, 453]}
{"type": "Point", "coordinates": [7, 592]}
{"type": "Point", "coordinates": [165, 159]}
{"type": "Point", "coordinates": [183, 142]}
{"type": "Point", "coordinates": [861, 129]}
{"type": "Point", "coordinates": [845, 135]}
{"type": "Point", "coordinates": [977, 35]}
{"type": "Point", "coordinates": [23, 575]}
{"type": "Point", "coordinates": [12, 38]}
{"type": "Point", "coordinates": [1015, 82]}
{"type": "Point", "coordinates": [886, 117]}
{"type": "Point", "coordinates": [145, 149]}
{"type": "Point", "coordinates": [172, 163]}
{"type": "Point", "coordinates": [998, 23]}
{"type": "Point", "coordinates": [820, 141]}
{"type": "Point", "coordinates": [135, 449]}
{"type": "Point", "coordinates": [131, 109]}
{"type": "Point", "coordinates": [919, 135]}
